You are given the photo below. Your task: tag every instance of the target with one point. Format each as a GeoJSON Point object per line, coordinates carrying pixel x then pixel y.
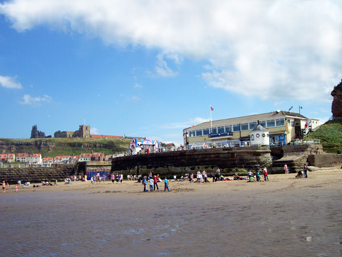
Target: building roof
{"type": "Point", "coordinates": [252, 118]}
{"type": "Point", "coordinates": [22, 155]}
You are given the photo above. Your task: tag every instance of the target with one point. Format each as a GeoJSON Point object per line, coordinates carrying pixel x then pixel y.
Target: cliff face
{"type": "Point", "coordinates": [336, 107]}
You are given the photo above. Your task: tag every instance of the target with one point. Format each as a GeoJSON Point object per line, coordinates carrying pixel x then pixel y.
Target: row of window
{"type": "Point", "coordinates": [237, 127]}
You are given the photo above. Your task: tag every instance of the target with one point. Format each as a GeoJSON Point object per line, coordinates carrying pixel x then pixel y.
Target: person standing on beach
{"type": "Point", "coordinates": [265, 174]}
{"type": "Point", "coordinates": [151, 181]}
{"type": "Point", "coordinates": [286, 169]}
{"type": "Point", "coordinates": [199, 176]}
{"type": "Point", "coordinates": [155, 181]}
{"type": "Point", "coordinates": [113, 178]}
{"type": "Point", "coordinates": [166, 185]}
{"type": "Point", "coordinates": [191, 177]}
{"type": "Point", "coordinates": [144, 182]}
{"type": "Point", "coordinates": [204, 175]}
{"type": "Point", "coordinates": [3, 186]}
{"type": "Point", "coordinates": [305, 171]}
{"type": "Point", "coordinates": [258, 176]}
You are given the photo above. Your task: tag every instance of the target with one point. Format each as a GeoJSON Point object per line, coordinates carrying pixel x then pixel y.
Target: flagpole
{"type": "Point", "coordinates": [211, 121]}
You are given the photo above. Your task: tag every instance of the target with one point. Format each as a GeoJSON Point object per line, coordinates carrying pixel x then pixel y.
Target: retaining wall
{"type": "Point", "coordinates": [325, 160]}
{"type": "Point", "coordinates": [179, 162]}
{"type": "Point", "coordinates": [37, 174]}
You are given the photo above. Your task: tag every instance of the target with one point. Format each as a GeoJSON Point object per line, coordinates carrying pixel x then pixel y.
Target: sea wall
{"type": "Point", "coordinates": [180, 162]}
{"type": "Point", "coordinates": [37, 174]}
{"type": "Point", "coordinates": [325, 160]}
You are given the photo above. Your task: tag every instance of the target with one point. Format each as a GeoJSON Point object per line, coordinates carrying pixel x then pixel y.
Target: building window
{"type": "Point", "coordinates": [236, 127]}
{"type": "Point", "coordinates": [199, 133]}
{"type": "Point", "coordinates": [220, 129]}
{"type": "Point", "coordinates": [270, 123]}
{"type": "Point", "coordinates": [206, 131]}
{"type": "Point", "coordinates": [263, 123]}
{"type": "Point", "coordinates": [252, 125]}
{"type": "Point", "coordinates": [214, 131]}
{"type": "Point", "coordinates": [228, 128]}
{"type": "Point", "coordinates": [244, 126]}
{"type": "Point", "coordinates": [280, 122]}
{"type": "Point", "coordinates": [192, 133]}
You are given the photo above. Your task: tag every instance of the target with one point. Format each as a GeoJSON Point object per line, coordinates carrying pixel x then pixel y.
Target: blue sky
{"type": "Point", "coordinates": [152, 68]}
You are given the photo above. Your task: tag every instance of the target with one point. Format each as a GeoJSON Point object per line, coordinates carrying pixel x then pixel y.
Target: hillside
{"type": "Point", "coordinates": [50, 147]}
{"type": "Point", "coordinates": [330, 135]}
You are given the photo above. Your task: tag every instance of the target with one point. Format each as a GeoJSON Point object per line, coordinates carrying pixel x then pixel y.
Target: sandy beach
{"type": "Point", "coordinates": [282, 217]}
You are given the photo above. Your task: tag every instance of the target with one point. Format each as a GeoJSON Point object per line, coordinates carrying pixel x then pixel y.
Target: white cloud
{"type": "Point", "coordinates": [9, 82]}
{"type": "Point", "coordinates": [35, 100]}
{"type": "Point", "coordinates": [137, 85]}
{"type": "Point", "coordinates": [162, 69]}
{"type": "Point", "coordinates": [94, 131]}
{"type": "Point", "coordinates": [273, 49]}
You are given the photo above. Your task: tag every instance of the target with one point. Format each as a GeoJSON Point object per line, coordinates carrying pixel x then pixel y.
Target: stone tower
{"type": "Point", "coordinates": [84, 131]}
{"type": "Point", "coordinates": [336, 107]}
{"type": "Point", "coordinates": [35, 133]}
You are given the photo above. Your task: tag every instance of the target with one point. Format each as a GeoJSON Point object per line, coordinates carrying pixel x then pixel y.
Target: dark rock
{"type": "Point", "coordinates": [336, 107]}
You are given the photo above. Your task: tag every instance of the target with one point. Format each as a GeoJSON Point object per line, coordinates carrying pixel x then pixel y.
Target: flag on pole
{"type": "Point", "coordinates": [211, 108]}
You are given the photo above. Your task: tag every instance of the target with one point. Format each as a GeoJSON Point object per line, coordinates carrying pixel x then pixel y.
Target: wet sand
{"type": "Point", "coordinates": [282, 217]}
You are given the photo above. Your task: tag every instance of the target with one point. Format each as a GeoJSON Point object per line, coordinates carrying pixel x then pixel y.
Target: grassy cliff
{"type": "Point", "coordinates": [63, 146]}
{"type": "Point", "coordinates": [330, 135]}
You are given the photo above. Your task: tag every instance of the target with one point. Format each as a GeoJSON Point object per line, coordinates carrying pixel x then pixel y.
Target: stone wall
{"type": "Point", "coordinates": [179, 162]}
{"type": "Point", "coordinates": [304, 149]}
{"type": "Point", "coordinates": [37, 174]}
{"type": "Point", "coordinates": [294, 156]}
{"type": "Point", "coordinates": [326, 160]}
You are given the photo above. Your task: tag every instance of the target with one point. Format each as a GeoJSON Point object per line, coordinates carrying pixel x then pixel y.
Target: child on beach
{"type": "Point", "coordinates": [258, 176]}
{"type": "Point", "coordinates": [166, 183]}
{"type": "Point", "coordinates": [151, 184]}
{"type": "Point", "coordinates": [144, 182]}
{"type": "Point", "coordinates": [155, 182]}
{"type": "Point", "coordinates": [265, 174]}
{"type": "Point", "coordinates": [3, 186]}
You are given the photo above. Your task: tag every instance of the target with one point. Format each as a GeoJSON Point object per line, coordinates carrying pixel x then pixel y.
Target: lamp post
{"type": "Point", "coordinates": [300, 107]}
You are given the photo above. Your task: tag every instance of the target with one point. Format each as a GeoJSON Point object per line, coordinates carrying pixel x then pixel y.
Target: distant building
{"type": "Point", "coordinates": [82, 132]}
{"type": "Point", "coordinates": [282, 127]}
{"type": "Point", "coordinates": [35, 133]}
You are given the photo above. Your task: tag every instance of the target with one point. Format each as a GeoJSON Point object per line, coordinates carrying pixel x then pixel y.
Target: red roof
{"type": "Point", "coordinates": [22, 155]}
{"type": "Point", "coordinates": [105, 136]}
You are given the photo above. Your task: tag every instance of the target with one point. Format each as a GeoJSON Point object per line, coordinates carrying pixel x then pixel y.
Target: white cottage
{"type": "Point", "coordinates": [259, 136]}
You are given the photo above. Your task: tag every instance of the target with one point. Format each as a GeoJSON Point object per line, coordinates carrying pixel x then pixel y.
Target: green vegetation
{"type": "Point", "coordinates": [50, 147]}
{"type": "Point", "coordinates": [330, 135]}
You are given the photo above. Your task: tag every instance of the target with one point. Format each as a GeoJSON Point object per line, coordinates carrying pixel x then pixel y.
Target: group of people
{"type": "Point", "coordinates": [116, 177]}
{"type": "Point", "coordinates": [153, 182]}
{"type": "Point", "coordinates": [202, 177]}
{"type": "Point", "coordinates": [303, 173]}
{"type": "Point", "coordinates": [251, 175]}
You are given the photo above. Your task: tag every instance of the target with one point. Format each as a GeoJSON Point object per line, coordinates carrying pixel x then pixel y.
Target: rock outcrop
{"type": "Point", "coordinates": [336, 107]}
